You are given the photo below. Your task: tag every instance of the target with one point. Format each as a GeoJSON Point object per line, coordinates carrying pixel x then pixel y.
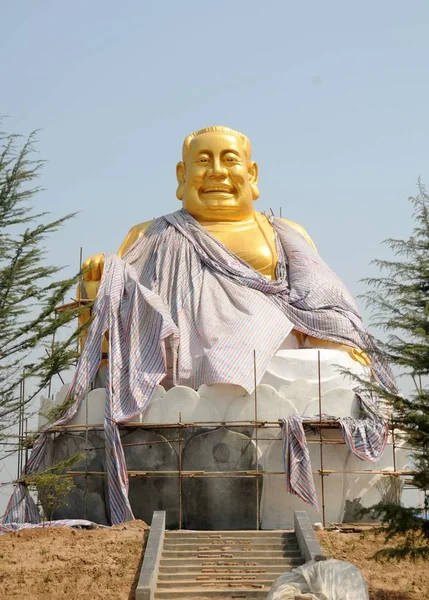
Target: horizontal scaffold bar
{"type": "Point", "coordinates": [325, 473]}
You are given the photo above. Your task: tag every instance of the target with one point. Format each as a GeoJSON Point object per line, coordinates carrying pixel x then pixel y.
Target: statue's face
{"type": "Point", "coordinates": [217, 183]}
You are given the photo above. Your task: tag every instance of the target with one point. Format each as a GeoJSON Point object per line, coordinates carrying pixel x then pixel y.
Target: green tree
{"type": "Point", "coordinates": [30, 289]}
{"type": "Point", "coordinates": [399, 303]}
{"type": "Point", "coordinates": [53, 485]}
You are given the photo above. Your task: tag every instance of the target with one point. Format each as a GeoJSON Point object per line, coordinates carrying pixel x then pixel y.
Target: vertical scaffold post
{"type": "Point", "coordinates": [26, 445]}
{"type": "Point", "coordinates": [180, 469]}
{"type": "Point", "coordinates": [256, 439]}
{"type": "Point", "coordinates": [79, 295]}
{"type": "Point", "coordinates": [20, 430]}
{"type": "Point", "coordinates": [85, 499]}
{"type": "Point", "coordinates": [322, 475]}
{"type": "Point", "coordinates": [393, 445]}
{"type": "Point", "coordinates": [22, 419]}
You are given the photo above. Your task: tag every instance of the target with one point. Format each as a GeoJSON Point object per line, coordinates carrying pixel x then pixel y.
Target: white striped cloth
{"type": "Point", "coordinates": [366, 438]}
{"type": "Point", "coordinates": [297, 463]}
{"type": "Point", "coordinates": [179, 282]}
{"type": "Point", "coordinates": [21, 507]}
{"type": "Point", "coordinates": [11, 527]}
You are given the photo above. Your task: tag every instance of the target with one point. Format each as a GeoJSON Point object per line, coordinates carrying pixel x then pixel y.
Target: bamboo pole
{"type": "Point", "coordinates": [325, 424]}
{"type": "Point", "coordinates": [171, 441]}
{"type": "Point", "coordinates": [322, 481]}
{"type": "Point", "coordinates": [180, 472]}
{"type": "Point", "coordinates": [250, 473]}
{"type": "Point", "coordinates": [256, 440]}
{"type": "Point", "coordinates": [393, 445]}
{"type": "Point", "coordinates": [19, 467]}
{"type": "Point", "coordinates": [85, 497]}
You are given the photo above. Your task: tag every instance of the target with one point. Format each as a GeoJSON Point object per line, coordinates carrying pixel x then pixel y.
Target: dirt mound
{"type": "Point", "coordinates": [136, 524]}
{"type": "Point", "coordinates": [402, 580]}
{"type": "Point", "coordinates": [64, 563]}
{"type": "Point", "coordinates": [59, 563]}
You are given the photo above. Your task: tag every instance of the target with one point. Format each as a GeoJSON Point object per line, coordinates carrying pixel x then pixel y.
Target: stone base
{"type": "Point", "coordinates": [289, 386]}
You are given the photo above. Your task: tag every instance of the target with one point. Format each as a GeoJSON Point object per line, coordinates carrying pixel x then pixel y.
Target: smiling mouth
{"type": "Point", "coordinates": [218, 189]}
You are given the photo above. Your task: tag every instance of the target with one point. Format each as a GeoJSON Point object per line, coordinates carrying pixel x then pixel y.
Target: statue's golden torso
{"type": "Point", "coordinates": [253, 240]}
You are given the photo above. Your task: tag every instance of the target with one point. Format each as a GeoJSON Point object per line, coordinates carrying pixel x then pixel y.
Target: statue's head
{"type": "Point", "coordinates": [217, 178]}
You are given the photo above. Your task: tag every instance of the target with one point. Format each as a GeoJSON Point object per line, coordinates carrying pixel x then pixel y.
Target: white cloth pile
{"type": "Point", "coordinates": [325, 580]}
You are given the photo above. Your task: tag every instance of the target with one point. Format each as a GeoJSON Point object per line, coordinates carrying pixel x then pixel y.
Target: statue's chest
{"type": "Point", "coordinates": [253, 243]}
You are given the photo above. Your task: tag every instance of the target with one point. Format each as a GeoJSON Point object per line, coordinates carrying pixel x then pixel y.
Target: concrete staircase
{"type": "Point", "coordinates": [224, 564]}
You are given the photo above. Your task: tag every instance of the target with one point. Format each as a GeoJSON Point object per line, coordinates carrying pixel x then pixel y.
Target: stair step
{"type": "Point", "coordinates": [226, 578]}
{"type": "Point", "coordinates": [221, 593]}
{"type": "Point", "coordinates": [219, 554]}
{"type": "Point", "coordinates": [226, 562]}
{"type": "Point", "coordinates": [190, 571]}
{"type": "Point", "coordinates": [209, 545]}
{"type": "Point", "coordinates": [217, 534]}
{"type": "Point", "coordinates": [216, 582]}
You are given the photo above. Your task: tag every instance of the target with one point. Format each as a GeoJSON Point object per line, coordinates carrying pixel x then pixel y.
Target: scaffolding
{"type": "Point", "coordinates": [318, 425]}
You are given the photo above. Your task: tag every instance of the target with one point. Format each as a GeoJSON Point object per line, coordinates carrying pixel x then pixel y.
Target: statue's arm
{"type": "Point", "coordinates": [133, 235]}
{"type": "Point", "coordinates": [300, 229]}
{"type": "Point", "coordinates": [312, 342]}
{"type": "Point", "coordinates": [93, 266]}
{"type": "Point", "coordinates": [92, 270]}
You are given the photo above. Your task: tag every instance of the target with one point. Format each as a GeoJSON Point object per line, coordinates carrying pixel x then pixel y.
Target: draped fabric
{"type": "Point", "coordinates": [17, 526]}
{"type": "Point", "coordinates": [366, 438]}
{"type": "Point", "coordinates": [206, 286]}
{"type": "Point", "coordinates": [298, 473]}
{"type": "Point", "coordinates": [21, 508]}
{"type": "Point", "coordinates": [136, 320]}
{"type": "Point", "coordinates": [179, 282]}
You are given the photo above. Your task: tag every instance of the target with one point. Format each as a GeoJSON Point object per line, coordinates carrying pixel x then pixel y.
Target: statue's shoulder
{"type": "Point", "coordinates": [133, 235]}
{"type": "Point", "coordinates": [300, 229]}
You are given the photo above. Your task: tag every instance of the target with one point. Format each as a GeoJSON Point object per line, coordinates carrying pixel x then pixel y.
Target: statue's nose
{"type": "Point", "coordinates": [217, 171]}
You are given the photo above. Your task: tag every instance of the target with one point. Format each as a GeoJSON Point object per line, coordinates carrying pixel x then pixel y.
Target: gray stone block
{"type": "Point", "coordinates": [148, 578]}
{"type": "Point", "coordinates": [307, 541]}
{"type": "Point", "coordinates": [219, 503]}
{"type": "Point", "coordinates": [87, 500]}
{"type": "Point", "coordinates": [149, 494]}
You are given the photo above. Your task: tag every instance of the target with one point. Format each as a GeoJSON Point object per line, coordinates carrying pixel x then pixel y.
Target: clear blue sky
{"type": "Point", "coordinates": [332, 94]}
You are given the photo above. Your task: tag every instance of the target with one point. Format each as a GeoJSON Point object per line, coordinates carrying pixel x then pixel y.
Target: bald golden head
{"type": "Point", "coordinates": [247, 147]}
{"type": "Point", "coordinates": [217, 180]}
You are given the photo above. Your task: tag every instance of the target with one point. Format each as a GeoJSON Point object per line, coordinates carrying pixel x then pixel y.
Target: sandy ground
{"type": "Point", "coordinates": [104, 564]}
{"type": "Point", "coordinates": [65, 563]}
{"type": "Point", "coordinates": [402, 580]}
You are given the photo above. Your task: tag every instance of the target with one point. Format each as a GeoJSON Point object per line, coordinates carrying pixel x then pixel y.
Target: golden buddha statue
{"type": "Point", "coordinates": [217, 185]}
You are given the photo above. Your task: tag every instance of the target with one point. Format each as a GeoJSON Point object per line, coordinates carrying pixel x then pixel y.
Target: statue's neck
{"type": "Point", "coordinates": [249, 223]}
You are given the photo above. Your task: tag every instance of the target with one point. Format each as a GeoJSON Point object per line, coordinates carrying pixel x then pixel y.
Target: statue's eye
{"type": "Point", "coordinates": [203, 159]}
{"type": "Point", "coordinates": [230, 159]}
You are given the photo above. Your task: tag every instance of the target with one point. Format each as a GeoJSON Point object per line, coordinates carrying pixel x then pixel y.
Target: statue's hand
{"type": "Point", "coordinates": [92, 270]}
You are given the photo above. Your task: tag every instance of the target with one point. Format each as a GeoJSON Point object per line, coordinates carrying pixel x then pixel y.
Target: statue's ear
{"type": "Point", "coordinates": [180, 175]}
{"type": "Point", "coordinates": [253, 178]}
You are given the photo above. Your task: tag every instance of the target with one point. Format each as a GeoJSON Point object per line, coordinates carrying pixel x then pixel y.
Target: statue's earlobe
{"type": "Point", "coordinates": [180, 175]}
{"type": "Point", "coordinates": [253, 178]}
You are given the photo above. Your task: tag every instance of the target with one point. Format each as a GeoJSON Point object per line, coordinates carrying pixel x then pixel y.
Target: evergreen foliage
{"type": "Point", "coordinates": [29, 287]}
{"type": "Point", "coordinates": [399, 302]}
